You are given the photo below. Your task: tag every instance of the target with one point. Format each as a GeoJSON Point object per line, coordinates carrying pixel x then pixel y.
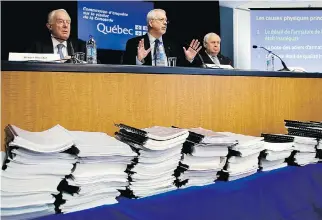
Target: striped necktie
{"type": "Point", "coordinates": [60, 50]}
{"type": "Point", "coordinates": [155, 52]}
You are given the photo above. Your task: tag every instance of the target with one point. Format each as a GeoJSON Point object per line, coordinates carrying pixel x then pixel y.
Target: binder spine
{"type": "Point", "coordinates": [129, 140]}
{"type": "Point", "coordinates": [132, 129]}
{"type": "Point", "coordinates": [290, 123]}
{"type": "Point", "coordinates": [187, 148]}
{"type": "Point", "coordinates": [303, 128]}
{"type": "Point", "coordinates": [73, 150]}
{"type": "Point", "coordinates": [303, 133]}
{"type": "Point", "coordinates": [65, 187]}
{"type": "Point", "coordinates": [275, 138]}
{"type": "Point", "coordinates": [194, 137]}
{"type": "Point", "coordinates": [9, 137]}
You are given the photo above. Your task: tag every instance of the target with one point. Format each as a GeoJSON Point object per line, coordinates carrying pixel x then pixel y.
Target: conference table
{"type": "Point", "coordinates": [37, 96]}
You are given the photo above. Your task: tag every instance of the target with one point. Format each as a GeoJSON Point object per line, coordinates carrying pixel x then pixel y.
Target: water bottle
{"type": "Point", "coordinates": [91, 51]}
{"type": "Point", "coordinates": [270, 62]}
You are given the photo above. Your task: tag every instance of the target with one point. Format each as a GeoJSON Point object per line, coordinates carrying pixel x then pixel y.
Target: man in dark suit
{"type": "Point", "coordinates": [59, 27]}
{"type": "Point", "coordinates": [211, 54]}
{"type": "Point", "coordinates": [154, 48]}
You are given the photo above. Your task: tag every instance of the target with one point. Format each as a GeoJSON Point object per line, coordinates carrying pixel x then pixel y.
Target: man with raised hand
{"type": "Point", "coordinates": [154, 48]}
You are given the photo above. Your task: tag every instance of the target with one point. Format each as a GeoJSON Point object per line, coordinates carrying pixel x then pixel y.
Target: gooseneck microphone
{"type": "Point", "coordinates": [72, 49]}
{"type": "Point", "coordinates": [283, 63]}
{"type": "Point", "coordinates": [202, 61]}
{"type": "Point", "coordinates": [73, 58]}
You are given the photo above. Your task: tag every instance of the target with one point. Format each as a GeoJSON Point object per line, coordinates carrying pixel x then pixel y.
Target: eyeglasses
{"type": "Point", "coordinates": [162, 20]}
{"type": "Point", "coordinates": [61, 21]}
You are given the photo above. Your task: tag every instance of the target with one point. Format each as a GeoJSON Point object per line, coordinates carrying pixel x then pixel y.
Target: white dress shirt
{"type": "Point", "coordinates": [56, 42]}
{"type": "Point", "coordinates": [152, 43]}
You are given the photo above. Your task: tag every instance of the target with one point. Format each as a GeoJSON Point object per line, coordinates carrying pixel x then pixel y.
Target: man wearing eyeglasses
{"type": "Point", "coordinates": [211, 54]}
{"type": "Point", "coordinates": [154, 48]}
{"type": "Point", "coordinates": [59, 24]}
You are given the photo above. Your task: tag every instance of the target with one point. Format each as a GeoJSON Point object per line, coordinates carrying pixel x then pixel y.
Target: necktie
{"type": "Point", "coordinates": [60, 50]}
{"type": "Point", "coordinates": [216, 60]}
{"type": "Point", "coordinates": [156, 48]}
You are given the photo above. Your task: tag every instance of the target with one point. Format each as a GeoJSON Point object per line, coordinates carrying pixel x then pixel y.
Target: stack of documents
{"type": "Point", "coordinates": [204, 154]}
{"type": "Point", "coordinates": [242, 158]}
{"type": "Point", "coordinates": [34, 170]}
{"type": "Point", "coordinates": [305, 151]}
{"type": "Point", "coordinates": [100, 171]}
{"type": "Point", "coordinates": [159, 150]}
{"type": "Point", "coordinates": [306, 141]}
{"type": "Point", "coordinates": [277, 149]}
{"type": "Point", "coordinates": [319, 150]}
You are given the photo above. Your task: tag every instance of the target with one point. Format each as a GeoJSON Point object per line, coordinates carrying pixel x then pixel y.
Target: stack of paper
{"type": "Point", "coordinates": [33, 174]}
{"type": "Point", "coordinates": [277, 149]}
{"type": "Point", "coordinates": [242, 158]}
{"type": "Point", "coordinates": [319, 150]}
{"type": "Point", "coordinates": [204, 154]}
{"type": "Point", "coordinates": [304, 151]}
{"type": "Point", "coordinates": [100, 172]}
{"type": "Point", "coordinates": [306, 141]}
{"type": "Point", "coordinates": [159, 150]}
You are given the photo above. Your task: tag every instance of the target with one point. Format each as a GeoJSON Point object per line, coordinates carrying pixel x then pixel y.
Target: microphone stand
{"type": "Point", "coordinates": [202, 61]}
{"type": "Point", "coordinates": [283, 63]}
{"type": "Point", "coordinates": [73, 59]}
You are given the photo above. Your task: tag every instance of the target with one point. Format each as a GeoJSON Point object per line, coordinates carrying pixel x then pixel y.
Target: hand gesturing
{"type": "Point", "coordinates": [192, 50]}
{"type": "Point", "coordinates": [142, 52]}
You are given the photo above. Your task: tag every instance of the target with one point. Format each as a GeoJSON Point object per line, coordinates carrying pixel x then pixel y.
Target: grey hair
{"type": "Point", "coordinates": [51, 15]}
{"type": "Point", "coordinates": [152, 14]}
{"type": "Point", "coordinates": [205, 39]}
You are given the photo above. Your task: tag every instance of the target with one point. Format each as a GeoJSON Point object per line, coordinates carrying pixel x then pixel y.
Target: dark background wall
{"type": "Point", "coordinates": [24, 22]}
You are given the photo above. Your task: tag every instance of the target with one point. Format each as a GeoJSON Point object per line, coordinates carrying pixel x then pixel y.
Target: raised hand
{"type": "Point", "coordinates": [193, 49]}
{"type": "Point", "coordinates": [142, 52]}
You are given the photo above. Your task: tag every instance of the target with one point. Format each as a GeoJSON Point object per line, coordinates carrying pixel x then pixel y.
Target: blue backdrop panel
{"type": "Point", "coordinates": [112, 23]}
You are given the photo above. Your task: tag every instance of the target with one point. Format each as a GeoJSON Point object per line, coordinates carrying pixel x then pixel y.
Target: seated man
{"type": "Point", "coordinates": [154, 48]}
{"type": "Point", "coordinates": [59, 27]}
{"type": "Point", "coordinates": [211, 54]}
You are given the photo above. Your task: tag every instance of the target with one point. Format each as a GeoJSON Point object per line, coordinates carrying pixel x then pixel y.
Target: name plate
{"type": "Point", "coordinates": [34, 57]}
{"type": "Point", "coordinates": [215, 66]}
{"type": "Point", "coordinates": [297, 69]}
{"type": "Point", "coordinates": [228, 67]}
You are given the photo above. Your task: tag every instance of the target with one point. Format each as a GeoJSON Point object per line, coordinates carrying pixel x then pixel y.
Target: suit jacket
{"type": "Point", "coordinates": [222, 59]}
{"type": "Point", "coordinates": [171, 50]}
{"type": "Point", "coordinates": [46, 46]}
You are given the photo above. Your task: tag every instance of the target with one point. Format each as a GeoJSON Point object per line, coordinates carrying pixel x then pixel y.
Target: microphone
{"type": "Point", "coordinates": [72, 49]}
{"type": "Point", "coordinates": [202, 61]}
{"type": "Point", "coordinates": [283, 63]}
{"type": "Point", "coordinates": [72, 58]}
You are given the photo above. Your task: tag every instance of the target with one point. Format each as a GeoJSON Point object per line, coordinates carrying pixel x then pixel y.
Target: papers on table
{"type": "Point", "coordinates": [100, 173]}
{"type": "Point", "coordinates": [307, 137]}
{"type": "Point", "coordinates": [243, 157]}
{"type": "Point", "coordinates": [204, 154]}
{"type": "Point", "coordinates": [159, 152]}
{"type": "Point", "coordinates": [277, 148]}
{"type": "Point", "coordinates": [34, 171]}
{"type": "Point", "coordinates": [43, 173]}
